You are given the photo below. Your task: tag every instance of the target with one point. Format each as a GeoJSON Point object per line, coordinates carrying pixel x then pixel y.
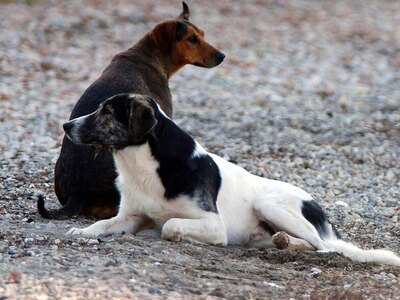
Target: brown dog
{"type": "Point", "coordinates": [84, 176]}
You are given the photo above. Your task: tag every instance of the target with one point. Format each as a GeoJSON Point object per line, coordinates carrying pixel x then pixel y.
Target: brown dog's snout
{"type": "Point", "coordinates": [219, 57]}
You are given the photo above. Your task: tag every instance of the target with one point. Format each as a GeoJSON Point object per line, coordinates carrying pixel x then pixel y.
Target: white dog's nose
{"type": "Point", "coordinates": [67, 126]}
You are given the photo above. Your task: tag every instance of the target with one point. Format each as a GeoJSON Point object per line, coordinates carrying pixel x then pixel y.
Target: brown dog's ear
{"type": "Point", "coordinates": [163, 35]}
{"type": "Point", "coordinates": [141, 119]}
{"type": "Point", "coordinates": [185, 14]}
{"type": "Point", "coordinates": [166, 33]}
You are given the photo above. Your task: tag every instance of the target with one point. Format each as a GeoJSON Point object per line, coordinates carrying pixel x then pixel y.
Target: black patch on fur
{"type": "Point", "coordinates": [313, 212]}
{"type": "Point", "coordinates": [179, 171]}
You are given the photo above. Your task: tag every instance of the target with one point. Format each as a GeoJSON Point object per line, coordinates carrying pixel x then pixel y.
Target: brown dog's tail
{"type": "Point", "coordinates": [71, 208]}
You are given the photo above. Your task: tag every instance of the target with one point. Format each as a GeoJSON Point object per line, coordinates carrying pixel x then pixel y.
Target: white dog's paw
{"type": "Point", "coordinates": [74, 231]}
{"type": "Point", "coordinates": [281, 240]}
{"type": "Point", "coordinates": [172, 231]}
{"type": "Point", "coordinates": [325, 251]}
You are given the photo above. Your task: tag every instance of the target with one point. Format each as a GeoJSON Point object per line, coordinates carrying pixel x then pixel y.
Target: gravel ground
{"type": "Point", "coordinates": [309, 94]}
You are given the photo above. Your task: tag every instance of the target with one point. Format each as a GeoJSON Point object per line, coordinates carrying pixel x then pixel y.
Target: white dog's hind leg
{"type": "Point", "coordinates": [208, 230]}
{"type": "Point", "coordinates": [289, 219]}
{"type": "Point", "coordinates": [117, 224]}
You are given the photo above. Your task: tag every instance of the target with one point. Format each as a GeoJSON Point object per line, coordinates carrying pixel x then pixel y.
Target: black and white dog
{"type": "Point", "coordinates": [198, 196]}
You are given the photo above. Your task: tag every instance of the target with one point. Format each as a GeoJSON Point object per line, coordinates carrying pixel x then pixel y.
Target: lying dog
{"type": "Point", "coordinates": [197, 196]}
{"type": "Point", "coordinates": [84, 178]}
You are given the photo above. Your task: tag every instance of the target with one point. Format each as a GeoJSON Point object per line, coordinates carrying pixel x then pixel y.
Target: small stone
{"type": "Point", "coordinates": [274, 285]}
{"type": "Point", "coordinates": [14, 277]}
{"type": "Point", "coordinates": [314, 272]}
{"type": "Point", "coordinates": [341, 203]}
{"type": "Point", "coordinates": [126, 238]}
{"type": "Point", "coordinates": [30, 253]}
{"type": "Point", "coordinates": [153, 290]}
{"type": "Point", "coordinates": [217, 292]}
{"type": "Point", "coordinates": [12, 251]}
{"type": "Point", "coordinates": [81, 240]}
{"type": "Point", "coordinates": [93, 241]}
{"type": "Point", "coordinates": [112, 263]}
{"type": "Point", "coordinates": [29, 240]}
{"type": "Point", "coordinates": [50, 226]}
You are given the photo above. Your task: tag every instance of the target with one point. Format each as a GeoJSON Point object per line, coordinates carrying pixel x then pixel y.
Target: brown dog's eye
{"type": "Point", "coordinates": [193, 39]}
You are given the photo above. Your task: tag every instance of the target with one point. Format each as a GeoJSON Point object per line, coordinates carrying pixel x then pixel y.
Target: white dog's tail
{"type": "Point", "coordinates": [332, 241]}
{"type": "Point", "coordinates": [378, 256]}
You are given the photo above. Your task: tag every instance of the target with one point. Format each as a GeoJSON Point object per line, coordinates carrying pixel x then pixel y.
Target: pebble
{"type": "Point", "coordinates": [50, 226]}
{"type": "Point", "coordinates": [29, 240]}
{"type": "Point", "coordinates": [274, 285]}
{"type": "Point", "coordinates": [154, 290]}
{"type": "Point", "coordinates": [314, 272]}
{"type": "Point", "coordinates": [126, 238]}
{"type": "Point", "coordinates": [112, 263]}
{"type": "Point", "coordinates": [12, 251]}
{"type": "Point", "coordinates": [341, 203]}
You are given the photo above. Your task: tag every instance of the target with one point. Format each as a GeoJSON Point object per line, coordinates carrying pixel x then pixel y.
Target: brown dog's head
{"type": "Point", "coordinates": [184, 43]}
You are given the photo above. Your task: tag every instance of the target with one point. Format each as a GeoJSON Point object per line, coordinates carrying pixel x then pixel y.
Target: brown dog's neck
{"type": "Point", "coordinates": [147, 51]}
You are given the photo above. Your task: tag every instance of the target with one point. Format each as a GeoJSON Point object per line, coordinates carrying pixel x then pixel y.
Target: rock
{"type": "Point", "coordinates": [341, 203]}
{"type": "Point", "coordinates": [50, 226]}
{"type": "Point", "coordinates": [153, 290]}
{"type": "Point", "coordinates": [14, 277]}
{"type": "Point", "coordinates": [273, 285]}
{"type": "Point", "coordinates": [314, 272]}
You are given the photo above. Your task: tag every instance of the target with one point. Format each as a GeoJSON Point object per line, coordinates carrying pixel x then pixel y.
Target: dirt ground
{"type": "Point", "coordinates": [309, 94]}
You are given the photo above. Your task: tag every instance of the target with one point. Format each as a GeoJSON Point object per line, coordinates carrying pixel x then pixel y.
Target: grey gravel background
{"type": "Point", "coordinates": [309, 94]}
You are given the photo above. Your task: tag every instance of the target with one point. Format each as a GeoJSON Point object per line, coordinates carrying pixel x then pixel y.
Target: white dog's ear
{"type": "Point", "coordinates": [185, 14]}
{"type": "Point", "coordinates": [141, 119]}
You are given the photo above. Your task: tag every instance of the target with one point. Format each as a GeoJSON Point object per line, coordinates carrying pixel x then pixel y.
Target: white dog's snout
{"type": "Point", "coordinates": [71, 129]}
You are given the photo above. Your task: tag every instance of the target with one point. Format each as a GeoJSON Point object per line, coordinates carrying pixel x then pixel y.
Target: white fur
{"type": "Point", "coordinates": [159, 108]}
{"type": "Point", "coordinates": [143, 196]}
{"type": "Point", "coordinates": [243, 201]}
{"type": "Point", "coordinates": [198, 151]}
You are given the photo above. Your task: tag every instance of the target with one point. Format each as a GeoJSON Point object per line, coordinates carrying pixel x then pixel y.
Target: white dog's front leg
{"type": "Point", "coordinates": [117, 224]}
{"type": "Point", "coordinates": [208, 230]}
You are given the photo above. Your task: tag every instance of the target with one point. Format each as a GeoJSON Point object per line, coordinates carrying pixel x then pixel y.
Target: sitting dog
{"type": "Point", "coordinates": [197, 196]}
{"type": "Point", "coordinates": [84, 177]}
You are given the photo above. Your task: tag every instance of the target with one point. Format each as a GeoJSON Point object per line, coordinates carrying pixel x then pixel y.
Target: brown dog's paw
{"type": "Point", "coordinates": [281, 240]}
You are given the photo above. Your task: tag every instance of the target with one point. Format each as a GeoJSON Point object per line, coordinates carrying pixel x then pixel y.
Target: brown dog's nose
{"type": "Point", "coordinates": [67, 126]}
{"type": "Point", "coordinates": [219, 57]}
